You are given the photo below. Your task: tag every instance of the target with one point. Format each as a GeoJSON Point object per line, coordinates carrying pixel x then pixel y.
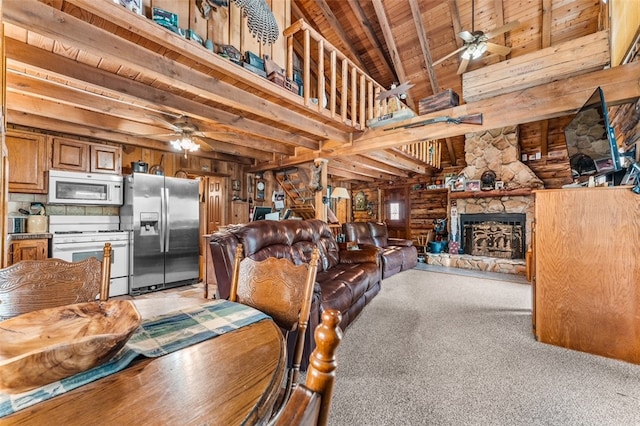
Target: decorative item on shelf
{"type": "Point", "coordinates": [192, 35]}
{"type": "Point", "coordinates": [472, 185]}
{"type": "Point", "coordinates": [499, 184]}
{"type": "Point", "coordinates": [459, 183]}
{"type": "Point", "coordinates": [230, 52]}
{"type": "Point", "coordinates": [260, 19]}
{"type": "Point", "coordinates": [488, 180]}
{"type": "Point", "coordinates": [168, 20]}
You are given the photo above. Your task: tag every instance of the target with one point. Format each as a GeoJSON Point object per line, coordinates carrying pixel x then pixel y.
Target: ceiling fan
{"type": "Point", "coordinates": [185, 132]}
{"type": "Point", "coordinates": [476, 43]}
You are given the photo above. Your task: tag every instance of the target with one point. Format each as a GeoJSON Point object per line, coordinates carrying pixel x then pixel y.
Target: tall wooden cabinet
{"type": "Point", "coordinates": [586, 277]}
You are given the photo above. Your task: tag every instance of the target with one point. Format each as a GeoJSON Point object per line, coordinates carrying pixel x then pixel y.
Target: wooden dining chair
{"type": "Point", "coordinates": [31, 285]}
{"type": "Point", "coordinates": [310, 403]}
{"type": "Point", "coordinates": [282, 290]}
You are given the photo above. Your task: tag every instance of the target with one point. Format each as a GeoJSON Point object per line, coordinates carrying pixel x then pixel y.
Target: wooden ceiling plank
{"type": "Point", "coordinates": [77, 33]}
{"type": "Point", "coordinates": [367, 29]}
{"type": "Point", "coordinates": [337, 28]}
{"type": "Point", "coordinates": [391, 44]}
{"type": "Point", "coordinates": [346, 175]}
{"type": "Point", "coordinates": [424, 45]}
{"type": "Point", "coordinates": [138, 93]}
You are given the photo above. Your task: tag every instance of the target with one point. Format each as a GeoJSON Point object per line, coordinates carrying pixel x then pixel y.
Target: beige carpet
{"type": "Point", "coordinates": [443, 349]}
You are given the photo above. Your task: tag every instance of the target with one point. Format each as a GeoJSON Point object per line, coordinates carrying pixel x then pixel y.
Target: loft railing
{"type": "Point", "coordinates": [351, 95]}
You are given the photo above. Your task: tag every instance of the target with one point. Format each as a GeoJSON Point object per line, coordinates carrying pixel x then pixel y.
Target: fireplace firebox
{"type": "Point", "coordinates": [500, 235]}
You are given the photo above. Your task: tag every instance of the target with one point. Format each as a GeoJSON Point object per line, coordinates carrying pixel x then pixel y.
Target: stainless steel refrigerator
{"type": "Point", "coordinates": [162, 215]}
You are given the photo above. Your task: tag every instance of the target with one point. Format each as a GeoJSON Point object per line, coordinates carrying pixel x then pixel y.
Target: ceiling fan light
{"type": "Point", "coordinates": [185, 144]}
{"type": "Point", "coordinates": [481, 49]}
{"type": "Point", "coordinates": [468, 52]}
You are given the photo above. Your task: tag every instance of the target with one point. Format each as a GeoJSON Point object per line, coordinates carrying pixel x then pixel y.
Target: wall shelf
{"type": "Point", "coordinates": [493, 193]}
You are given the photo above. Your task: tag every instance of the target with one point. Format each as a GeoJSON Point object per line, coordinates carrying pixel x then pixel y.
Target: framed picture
{"type": "Point", "coordinates": [472, 185]}
{"type": "Point", "coordinates": [458, 183]}
{"type": "Point", "coordinates": [360, 201]}
{"type": "Point", "coordinates": [604, 165]}
{"type": "Point", "coordinates": [235, 185]}
{"type": "Point", "coordinates": [499, 184]}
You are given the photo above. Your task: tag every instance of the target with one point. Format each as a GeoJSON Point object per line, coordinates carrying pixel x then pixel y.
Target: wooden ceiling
{"type": "Point", "coordinates": [94, 69]}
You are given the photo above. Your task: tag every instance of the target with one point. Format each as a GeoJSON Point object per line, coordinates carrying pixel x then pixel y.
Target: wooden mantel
{"type": "Point", "coordinates": [457, 195]}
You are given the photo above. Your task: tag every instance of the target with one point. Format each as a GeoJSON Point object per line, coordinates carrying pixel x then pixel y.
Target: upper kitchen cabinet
{"type": "Point", "coordinates": [80, 156]}
{"type": "Point", "coordinates": [27, 154]}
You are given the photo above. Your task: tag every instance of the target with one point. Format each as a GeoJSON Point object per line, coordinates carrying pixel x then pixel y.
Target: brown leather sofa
{"type": "Point", "coordinates": [346, 280]}
{"type": "Point", "coordinates": [398, 254]}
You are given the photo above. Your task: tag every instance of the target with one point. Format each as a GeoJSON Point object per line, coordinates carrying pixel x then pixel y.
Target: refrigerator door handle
{"type": "Point", "coordinates": [167, 230]}
{"type": "Point", "coordinates": [163, 203]}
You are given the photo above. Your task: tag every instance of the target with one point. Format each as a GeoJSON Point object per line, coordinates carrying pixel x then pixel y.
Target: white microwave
{"type": "Point", "coordinates": [84, 188]}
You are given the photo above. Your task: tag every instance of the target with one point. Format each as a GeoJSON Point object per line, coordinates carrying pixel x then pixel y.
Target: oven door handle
{"type": "Point", "coordinates": [98, 245]}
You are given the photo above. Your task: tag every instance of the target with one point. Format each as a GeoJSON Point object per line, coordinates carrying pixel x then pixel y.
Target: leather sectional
{"type": "Point", "coordinates": [398, 254]}
{"type": "Point", "coordinates": [347, 280]}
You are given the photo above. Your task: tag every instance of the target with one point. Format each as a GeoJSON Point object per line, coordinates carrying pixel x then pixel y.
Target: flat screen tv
{"type": "Point", "coordinates": [591, 141]}
{"type": "Point", "coordinates": [260, 213]}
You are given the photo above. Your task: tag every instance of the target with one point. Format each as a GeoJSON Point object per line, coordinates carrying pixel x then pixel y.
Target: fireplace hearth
{"type": "Point", "coordinates": [500, 235]}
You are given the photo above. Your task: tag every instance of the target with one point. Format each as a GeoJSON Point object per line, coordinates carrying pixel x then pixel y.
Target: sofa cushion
{"type": "Point", "coordinates": [357, 231]}
{"type": "Point", "coordinates": [379, 234]}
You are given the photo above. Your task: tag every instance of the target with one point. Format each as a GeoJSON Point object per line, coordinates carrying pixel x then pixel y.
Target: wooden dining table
{"type": "Point", "coordinates": [232, 379]}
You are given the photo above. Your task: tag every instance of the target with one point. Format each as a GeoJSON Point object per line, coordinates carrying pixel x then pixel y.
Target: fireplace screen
{"type": "Point", "coordinates": [499, 235]}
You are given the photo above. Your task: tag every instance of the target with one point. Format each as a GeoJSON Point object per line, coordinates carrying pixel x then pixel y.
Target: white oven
{"type": "Point", "coordinates": [71, 241]}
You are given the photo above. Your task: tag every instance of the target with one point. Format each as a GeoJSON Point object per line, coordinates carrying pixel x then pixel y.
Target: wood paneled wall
{"type": "Point", "coordinates": [226, 25]}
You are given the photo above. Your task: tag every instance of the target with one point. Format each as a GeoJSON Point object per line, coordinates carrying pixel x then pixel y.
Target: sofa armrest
{"type": "Point", "coordinates": [362, 255]}
{"type": "Point", "coordinates": [399, 242]}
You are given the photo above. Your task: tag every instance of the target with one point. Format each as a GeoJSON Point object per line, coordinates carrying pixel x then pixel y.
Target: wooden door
{"type": "Point", "coordinates": [396, 209]}
{"type": "Point", "coordinates": [216, 196]}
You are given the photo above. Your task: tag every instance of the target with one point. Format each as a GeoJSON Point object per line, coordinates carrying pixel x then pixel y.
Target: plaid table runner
{"type": "Point", "coordinates": [155, 337]}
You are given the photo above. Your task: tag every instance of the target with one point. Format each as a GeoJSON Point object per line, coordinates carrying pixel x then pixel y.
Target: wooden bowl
{"type": "Point", "coordinates": [47, 345]}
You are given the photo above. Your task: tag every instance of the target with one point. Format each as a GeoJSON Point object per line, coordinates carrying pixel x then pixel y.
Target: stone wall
{"type": "Point", "coordinates": [498, 150]}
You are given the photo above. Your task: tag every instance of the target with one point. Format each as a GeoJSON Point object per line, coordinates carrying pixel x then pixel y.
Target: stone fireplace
{"type": "Point", "coordinates": [495, 235]}
{"type": "Point", "coordinates": [496, 241]}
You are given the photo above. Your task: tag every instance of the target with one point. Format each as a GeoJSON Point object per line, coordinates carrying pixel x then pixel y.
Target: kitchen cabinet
{"type": "Point", "coordinates": [28, 249]}
{"type": "Point", "coordinates": [27, 160]}
{"type": "Point", "coordinates": [586, 274]}
{"type": "Point", "coordinates": [80, 156]}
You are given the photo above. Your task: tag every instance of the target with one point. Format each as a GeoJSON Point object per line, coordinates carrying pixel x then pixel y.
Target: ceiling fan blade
{"type": "Point", "coordinates": [466, 36]}
{"type": "Point", "coordinates": [498, 49]}
{"type": "Point", "coordinates": [163, 121]}
{"type": "Point", "coordinates": [503, 29]}
{"type": "Point", "coordinates": [212, 134]}
{"type": "Point", "coordinates": [449, 55]}
{"type": "Point", "coordinates": [463, 66]}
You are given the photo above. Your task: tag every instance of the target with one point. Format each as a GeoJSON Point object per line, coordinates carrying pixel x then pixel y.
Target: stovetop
{"type": "Point", "coordinates": [69, 229]}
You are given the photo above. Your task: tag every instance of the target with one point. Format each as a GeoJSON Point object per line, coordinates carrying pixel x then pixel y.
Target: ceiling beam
{"type": "Point", "coordinates": [620, 84]}
{"type": "Point", "coordinates": [393, 49]}
{"type": "Point", "coordinates": [356, 168]}
{"type": "Point", "coordinates": [424, 45]}
{"type": "Point", "coordinates": [369, 33]}
{"type": "Point", "coordinates": [20, 55]}
{"type": "Point", "coordinates": [337, 28]}
{"type": "Point", "coordinates": [74, 32]}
